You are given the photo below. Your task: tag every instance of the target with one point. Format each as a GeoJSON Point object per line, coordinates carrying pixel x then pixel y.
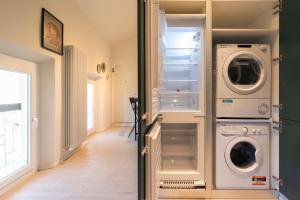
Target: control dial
{"type": "Point", "coordinates": [263, 109]}
{"type": "Point", "coordinates": [245, 130]}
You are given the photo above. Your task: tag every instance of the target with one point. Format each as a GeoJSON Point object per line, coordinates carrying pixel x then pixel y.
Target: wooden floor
{"type": "Point", "coordinates": [106, 169]}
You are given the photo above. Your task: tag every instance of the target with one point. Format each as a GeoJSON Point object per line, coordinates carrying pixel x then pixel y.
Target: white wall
{"type": "Point", "coordinates": [125, 51]}
{"type": "Point", "coordinates": [46, 115]}
{"type": "Point", "coordinates": [124, 60]}
{"type": "Point", "coordinates": [21, 20]}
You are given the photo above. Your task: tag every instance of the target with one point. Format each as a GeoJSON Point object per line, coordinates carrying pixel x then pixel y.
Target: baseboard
{"type": "Point", "coordinates": [282, 197]}
{"type": "Point", "coordinates": [90, 132]}
{"type": "Point", "coordinates": [19, 181]}
{"type": "Point", "coordinates": [49, 167]}
{"type": "Point", "coordinates": [69, 154]}
{"type": "Point", "coordinates": [124, 124]}
{"type": "Point", "coordinates": [84, 143]}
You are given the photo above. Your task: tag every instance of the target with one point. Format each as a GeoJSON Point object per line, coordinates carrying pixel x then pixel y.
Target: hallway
{"type": "Point", "coordinates": [104, 169]}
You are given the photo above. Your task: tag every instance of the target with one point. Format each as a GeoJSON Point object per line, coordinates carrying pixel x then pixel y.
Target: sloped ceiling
{"type": "Point", "coordinates": [115, 20]}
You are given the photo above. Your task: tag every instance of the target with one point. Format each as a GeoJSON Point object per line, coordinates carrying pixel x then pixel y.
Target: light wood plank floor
{"type": "Point", "coordinates": [106, 169]}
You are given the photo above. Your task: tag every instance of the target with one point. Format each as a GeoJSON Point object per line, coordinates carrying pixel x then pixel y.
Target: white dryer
{"type": "Point", "coordinates": [243, 79]}
{"type": "Point", "coordinates": [242, 154]}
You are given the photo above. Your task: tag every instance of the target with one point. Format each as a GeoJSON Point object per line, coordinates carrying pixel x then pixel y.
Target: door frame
{"type": "Point", "coordinates": [22, 66]}
{"type": "Point", "coordinates": [93, 129]}
{"type": "Point", "coordinates": [123, 70]}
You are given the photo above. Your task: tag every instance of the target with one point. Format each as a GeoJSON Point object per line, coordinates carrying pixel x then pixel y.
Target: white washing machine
{"type": "Point", "coordinates": [243, 81]}
{"type": "Point", "coordinates": [242, 154]}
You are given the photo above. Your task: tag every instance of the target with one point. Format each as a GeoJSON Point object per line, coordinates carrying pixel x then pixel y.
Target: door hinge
{"type": "Point", "coordinates": [279, 106]}
{"type": "Point", "coordinates": [145, 151]}
{"type": "Point", "coordinates": [160, 117]}
{"type": "Point", "coordinates": [278, 58]}
{"type": "Point", "coordinates": [277, 126]}
{"type": "Point", "coordinates": [145, 116]}
{"type": "Point", "coordinates": [279, 180]}
{"type": "Point", "coordinates": [278, 8]}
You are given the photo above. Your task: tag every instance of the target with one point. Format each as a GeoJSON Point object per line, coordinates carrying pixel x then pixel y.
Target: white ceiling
{"type": "Point", "coordinates": [115, 20]}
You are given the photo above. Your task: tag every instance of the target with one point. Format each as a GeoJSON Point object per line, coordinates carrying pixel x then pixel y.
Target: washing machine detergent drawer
{"type": "Point", "coordinates": [243, 108]}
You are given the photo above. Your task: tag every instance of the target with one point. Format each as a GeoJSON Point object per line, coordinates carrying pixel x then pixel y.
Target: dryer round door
{"type": "Point", "coordinates": [244, 72]}
{"type": "Point", "coordinates": [244, 155]}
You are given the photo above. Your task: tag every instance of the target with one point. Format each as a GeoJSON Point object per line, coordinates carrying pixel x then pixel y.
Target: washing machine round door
{"type": "Point", "coordinates": [244, 155]}
{"type": "Point", "coordinates": [244, 72]}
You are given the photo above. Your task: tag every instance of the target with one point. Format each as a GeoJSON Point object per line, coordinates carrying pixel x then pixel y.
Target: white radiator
{"type": "Point", "coordinates": [75, 105]}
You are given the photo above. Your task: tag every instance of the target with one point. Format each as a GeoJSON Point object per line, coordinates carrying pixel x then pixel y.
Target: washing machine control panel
{"type": "Point", "coordinates": [243, 129]}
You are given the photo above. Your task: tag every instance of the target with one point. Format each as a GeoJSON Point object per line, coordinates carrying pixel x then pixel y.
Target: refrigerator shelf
{"type": "Point", "coordinates": [188, 80]}
{"type": "Point", "coordinates": [184, 155]}
{"type": "Point", "coordinates": [181, 141]}
{"type": "Point", "coordinates": [180, 64]}
{"type": "Point", "coordinates": [180, 132]}
{"type": "Point", "coordinates": [179, 93]}
{"type": "Point", "coordinates": [178, 57]}
{"type": "Point", "coordinates": [179, 149]}
{"type": "Point", "coordinates": [185, 48]}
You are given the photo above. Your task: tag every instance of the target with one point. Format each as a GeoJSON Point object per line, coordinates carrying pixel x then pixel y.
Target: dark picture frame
{"type": "Point", "coordinates": [52, 33]}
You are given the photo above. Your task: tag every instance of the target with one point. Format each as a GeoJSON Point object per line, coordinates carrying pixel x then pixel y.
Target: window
{"type": "Point", "coordinates": [14, 122]}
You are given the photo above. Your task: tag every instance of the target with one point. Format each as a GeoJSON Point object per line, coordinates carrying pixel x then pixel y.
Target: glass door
{"type": "Point", "coordinates": [17, 108]}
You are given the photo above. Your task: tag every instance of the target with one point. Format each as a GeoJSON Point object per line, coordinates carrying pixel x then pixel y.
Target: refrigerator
{"type": "Point", "coordinates": [171, 101]}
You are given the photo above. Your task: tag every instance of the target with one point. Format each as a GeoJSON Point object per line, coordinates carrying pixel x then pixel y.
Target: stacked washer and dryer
{"type": "Point", "coordinates": [243, 101]}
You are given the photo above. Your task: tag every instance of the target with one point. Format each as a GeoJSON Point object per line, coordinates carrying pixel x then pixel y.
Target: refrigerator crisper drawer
{"type": "Point", "coordinates": [179, 101]}
{"type": "Point", "coordinates": [179, 147]}
{"type": "Point", "coordinates": [176, 85]}
{"type": "Point", "coordinates": [177, 163]}
{"type": "Point", "coordinates": [177, 139]}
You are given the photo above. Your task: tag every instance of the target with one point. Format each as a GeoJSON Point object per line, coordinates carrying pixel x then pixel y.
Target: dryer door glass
{"type": "Point", "coordinates": [244, 71]}
{"type": "Point", "coordinates": [242, 155]}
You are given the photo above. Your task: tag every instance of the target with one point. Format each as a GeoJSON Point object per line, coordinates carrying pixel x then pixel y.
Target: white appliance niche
{"type": "Point", "coordinates": [182, 151]}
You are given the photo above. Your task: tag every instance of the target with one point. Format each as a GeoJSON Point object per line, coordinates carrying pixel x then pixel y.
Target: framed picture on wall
{"type": "Point", "coordinates": [52, 32]}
